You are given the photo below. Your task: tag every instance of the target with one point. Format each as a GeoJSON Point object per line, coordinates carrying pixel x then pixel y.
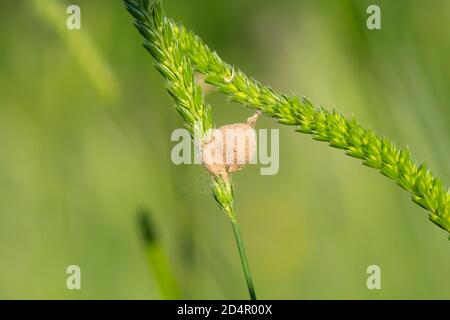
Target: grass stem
{"type": "Point", "coordinates": [244, 260]}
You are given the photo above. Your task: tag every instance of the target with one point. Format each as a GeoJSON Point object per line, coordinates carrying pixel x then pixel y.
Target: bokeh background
{"type": "Point", "coordinates": [85, 149]}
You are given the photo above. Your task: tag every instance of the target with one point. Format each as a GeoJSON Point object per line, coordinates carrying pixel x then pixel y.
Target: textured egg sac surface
{"type": "Point", "coordinates": [229, 148]}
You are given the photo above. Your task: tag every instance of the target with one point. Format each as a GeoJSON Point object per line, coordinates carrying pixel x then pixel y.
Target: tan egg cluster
{"type": "Point", "coordinates": [229, 148]}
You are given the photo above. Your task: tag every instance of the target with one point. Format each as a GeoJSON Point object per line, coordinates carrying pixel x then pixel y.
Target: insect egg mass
{"type": "Point", "coordinates": [229, 148]}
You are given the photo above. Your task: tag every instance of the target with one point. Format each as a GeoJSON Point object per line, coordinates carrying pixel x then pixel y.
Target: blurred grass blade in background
{"type": "Point", "coordinates": [157, 258]}
{"type": "Point", "coordinates": [80, 45]}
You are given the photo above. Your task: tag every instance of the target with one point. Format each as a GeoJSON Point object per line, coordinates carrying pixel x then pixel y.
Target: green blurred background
{"type": "Point", "coordinates": [85, 145]}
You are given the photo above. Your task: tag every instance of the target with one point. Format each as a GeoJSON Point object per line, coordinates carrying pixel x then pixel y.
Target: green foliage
{"type": "Point", "coordinates": [157, 257]}
{"type": "Point", "coordinates": [83, 49]}
{"type": "Point", "coordinates": [172, 61]}
{"type": "Point", "coordinates": [179, 52]}
{"type": "Point", "coordinates": [223, 193]}
{"type": "Point", "coordinates": [173, 64]}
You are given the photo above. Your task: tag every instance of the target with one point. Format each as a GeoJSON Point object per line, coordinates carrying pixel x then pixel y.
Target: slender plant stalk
{"type": "Point", "coordinates": [223, 193]}
{"type": "Point", "coordinates": [166, 40]}
{"type": "Point", "coordinates": [244, 260]}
